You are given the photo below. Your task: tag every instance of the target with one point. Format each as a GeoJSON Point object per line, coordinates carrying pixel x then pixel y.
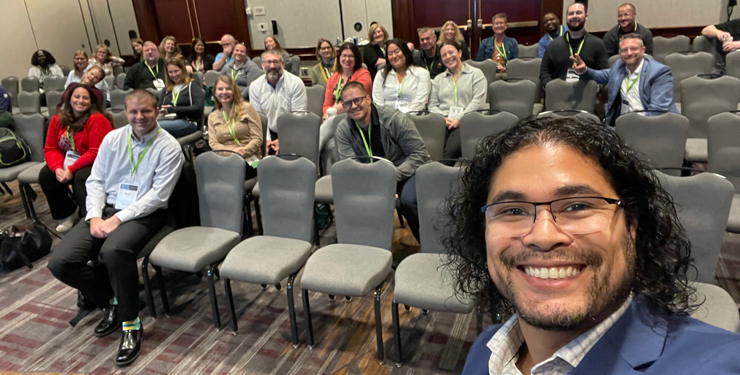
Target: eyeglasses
{"type": "Point", "coordinates": [356, 101]}
{"type": "Point", "coordinates": [325, 49]}
{"type": "Point", "coordinates": [576, 215]}
{"type": "Point", "coordinates": [272, 62]}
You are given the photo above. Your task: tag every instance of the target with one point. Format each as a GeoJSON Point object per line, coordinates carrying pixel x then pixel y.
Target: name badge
{"type": "Point", "coordinates": [572, 76]}
{"type": "Point", "coordinates": [159, 84]}
{"type": "Point", "coordinates": [70, 158]}
{"type": "Point", "coordinates": [455, 112]}
{"type": "Point", "coordinates": [126, 195]}
{"type": "Point", "coordinates": [252, 161]}
{"type": "Point", "coordinates": [402, 106]}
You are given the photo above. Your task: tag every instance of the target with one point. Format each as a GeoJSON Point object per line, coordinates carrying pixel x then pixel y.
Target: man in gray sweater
{"type": "Point", "coordinates": [385, 132]}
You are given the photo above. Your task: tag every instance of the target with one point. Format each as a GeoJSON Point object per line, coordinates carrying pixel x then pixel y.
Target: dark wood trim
{"type": "Point", "coordinates": [668, 32]}
{"type": "Point", "coordinates": [242, 28]}
{"type": "Point", "coordinates": [551, 6]}
{"type": "Point", "coordinates": [403, 20]}
{"type": "Point", "coordinates": [146, 18]}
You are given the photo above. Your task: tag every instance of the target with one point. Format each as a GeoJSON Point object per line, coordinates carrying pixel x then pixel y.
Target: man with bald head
{"type": "Point", "coordinates": [626, 14]}
{"type": "Point", "coordinates": [147, 73]}
{"type": "Point", "coordinates": [553, 30]}
{"type": "Point", "coordinates": [225, 57]}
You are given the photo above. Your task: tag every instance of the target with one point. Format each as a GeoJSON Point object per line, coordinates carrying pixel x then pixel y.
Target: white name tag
{"type": "Point", "coordinates": [572, 76]}
{"type": "Point", "coordinates": [455, 112]}
{"type": "Point", "coordinates": [126, 195]}
{"type": "Point", "coordinates": [159, 84]}
{"type": "Point", "coordinates": [70, 158]}
{"type": "Point", "coordinates": [252, 161]}
{"type": "Point", "coordinates": [402, 106]}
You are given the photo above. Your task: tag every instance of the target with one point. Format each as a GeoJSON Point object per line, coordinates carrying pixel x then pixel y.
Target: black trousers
{"type": "Point", "coordinates": [62, 204]}
{"type": "Point", "coordinates": [452, 148]}
{"type": "Point", "coordinates": [115, 272]}
{"type": "Point", "coordinates": [406, 191]}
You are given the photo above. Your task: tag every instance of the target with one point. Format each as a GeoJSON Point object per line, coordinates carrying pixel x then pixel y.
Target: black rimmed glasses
{"type": "Point", "coordinates": [356, 101]}
{"type": "Point", "coordinates": [575, 215]}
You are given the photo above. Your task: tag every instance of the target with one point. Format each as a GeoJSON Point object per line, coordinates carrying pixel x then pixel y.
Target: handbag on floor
{"type": "Point", "coordinates": [17, 251]}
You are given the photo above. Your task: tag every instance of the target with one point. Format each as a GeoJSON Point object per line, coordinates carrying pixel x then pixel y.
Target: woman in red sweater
{"type": "Point", "coordinates": [72, 142]}
{"type": "Point", "coordinates": [349, 69]}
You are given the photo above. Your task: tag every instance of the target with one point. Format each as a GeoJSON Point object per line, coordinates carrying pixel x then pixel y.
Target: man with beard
{"type": "Point", "coordinates": [556, 62]}
{"type": "Point", "coordinates": [553, 30]}
{"type": "Point", "coordinates": [275, 93]}
{"type": "Point", "coordinates": [559, 224]}
{"type": "Point", "coordinates": [626, 14]}
{"type": "Point", "coordinates": [636, 83]}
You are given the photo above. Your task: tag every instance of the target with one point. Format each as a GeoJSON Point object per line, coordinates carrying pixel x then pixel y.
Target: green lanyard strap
{"type": "Point", "coordinates": [560, 34]}
{"type": "Point", "coordinates": [134, 167]}
{"type": "Point", "coordinates": [237, 74]}
{"type": "Point", "coordinates": [502, 50]}
{"type": "Point", "coordinates": [631, 83]}
{"type": "Point", "coordinates": [151, 71]}
{"type": "Point", "coordinates": [231, 128]}
{"type": "Point", "coordinates": [368, 148]}
{"type": "Point", "coordinates": [338, 90]}
{"type": "Point", "coordinates": [571, 48]}
{"type": "Point", "coordinates": [71, 140]}
{"type": "Point", "coordinates": [400, 89]}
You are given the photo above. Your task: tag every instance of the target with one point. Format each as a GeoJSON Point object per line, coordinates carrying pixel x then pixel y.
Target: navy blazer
{"type": "Point", "coordinates": [642, 342]}
{"type": "Point", "coordinates": [656, 88]}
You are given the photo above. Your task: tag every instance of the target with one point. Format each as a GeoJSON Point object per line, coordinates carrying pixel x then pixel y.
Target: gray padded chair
{"type": "Point", "coordinates": [119, 120]}
{"type": "Point", "coordinates": [702, 44]}
{"type": "Point", "coordinates": [704, 98]}
{"type": "Point", "coordinates": [433, 130]}
{"type": "Point", "coordinates": [703, 206]}
{"type": "Point", "coordinates": [571, 95]}
{"type": "Point", "coordinates": [526, 69]}
{"type": "Point", "coordinates": [258, 60]}
{"type": "Point", "coordinates": [421, 280]}
{"type": "Point", "coordinates": [296, 65]}
{"type": "Point", "coordinates": [475, 126]}
{"type": "Point", "coordinates": [220, 181]}
{"type": "Point", "coordinates": [282, 251]}
{"type": "Point", "coordinates": [663, 47]}
{"type": "Point", "coordinates": [528, 52]}
{"type": "Point", "coordinates": [118, 100]}
{"type": "Point", "coordinates": [718, 307]}
{"type": "Point", "coordinates": [29, 102]}
{"type": "Point", "coordinates": [211, 77]}
{"type": "Point", "coordinates": [30, 84]}
{"type": "Point", "coordinates": [30, 128]}
{"type": "Point", "coordinates": [660, 140]}
{"type": "Point", "coordinates": [732, 63]}
{"type": "Point", "coordinates": [65, 69]}
{"type": "Point", "coordinates": [299, 134]}
{"type": "Point", "coordinates": [315, 99]}
{"type": "Point", "coordinates": [11, 84]}
{"type": "Point", "coordinates": [198, 77]}
{"type": "Point", "coordinates": [54, 84]}
{"type": "Point", "coordinates": [110, 81]}
{"type": "Point", "coordinates": [155, 92]}
{"type": "Point", "coordinates": [515, 97]}
{"type": "Point", "coordinates": [723, 141]}
{"type": "Point", "coordinates": [487, 66]}
{"type": "Point", "coordinates": [361, 261]}
{"type": "Point", "coordinates": [52, 99]}
{"type": "Point", "coordinates": [120, 79]}
{"type": "Point", "coordinates": [613, 60]}
{"type": "Point", "coordinates": [685, 65]}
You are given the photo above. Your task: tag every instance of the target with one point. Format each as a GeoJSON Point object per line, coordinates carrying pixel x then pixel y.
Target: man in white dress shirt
{"type": "Point", "coordinates": [132, 178]}
{"type": "Point", "coordinates": [275, 93]}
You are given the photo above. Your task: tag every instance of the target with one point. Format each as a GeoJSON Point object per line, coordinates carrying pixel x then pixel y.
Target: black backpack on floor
{"type": "Point", "coordinates": [13, 150]}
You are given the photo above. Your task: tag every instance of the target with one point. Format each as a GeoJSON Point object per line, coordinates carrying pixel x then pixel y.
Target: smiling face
{"type": "Point", "coordinates": [223, 92]}
{"type": "Point", "coordinates": [378, 36]}
{"type": "Point", "coordinates": [631, 51]}
{"type": "Point", "coordinates": [92, 77]}
{"type": "Point", "coordinates": [396, 56]}
{"type": "Point", "coordinates": [269, 43]}
{"type": "Point", "coordinates": [81, 62]}
{"type": "Point", "coordinates": [356, 112]}
{"type": "Point", "coordinates": [551, 22]}
{"type": "Point", "coordinates": [273, 66]}
{"type": "Point", "coordinates": [626, 18]}
{"type": "Point", "coordinates": [325, 51]}
{"type": "Point", "coordinates": [576, 17]}
{"type": "Point", "coordinates": [141, 114]}
{"type": "Point", "coordinates": [451, 57]}
{"type": "Point", "coordinates": [175, 73]}
{"type": "Point", "coordinates": [199, 48]}
{"type": "Point", "coordinates": [151, 53]}
{"type": "Point", "coordinates": [554, 279]}
{"type": "Point", "coordinates": [101, 55]}
{"type": "Point", "coordinates": [428, 40]}
{"type": "Point", "coordinates": [347, 60]}
{"type": "Point", "coordinates": [169, 46]}
{"type": "Point", "coordinates": [450, 32]}
{"type": "Point", "coordinates": [137, 47]}
{"type": "Point", "coordinates": [80, 101]}
{"type": "Point", "coordinates": [499, 26]}
{"type": "Point", "coordinates": [240, 53]}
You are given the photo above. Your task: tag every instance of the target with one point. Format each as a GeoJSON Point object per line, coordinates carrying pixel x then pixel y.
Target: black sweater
{"type": "Point", "coordinates": [184, 109]}
{"type": "Point", "coordinates": [556, 61]}
{"type": "Point", "coordinates": [139, 76]}
{"type": "Point", "coordinates": [370, 57]}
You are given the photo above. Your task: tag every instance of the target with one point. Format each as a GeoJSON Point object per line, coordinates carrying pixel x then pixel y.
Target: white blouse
{"type": "Point", "coordinates": [413, 89]}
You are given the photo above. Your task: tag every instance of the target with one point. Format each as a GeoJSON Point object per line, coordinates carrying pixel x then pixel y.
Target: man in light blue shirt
{"type": "Point", "coordinates": [553, 30]}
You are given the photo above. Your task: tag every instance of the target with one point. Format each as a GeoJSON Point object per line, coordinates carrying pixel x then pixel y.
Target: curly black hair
{"type": "Point", "coordinates": [50, 60]}
{"type": "Point", "coordinates": [661, 246]}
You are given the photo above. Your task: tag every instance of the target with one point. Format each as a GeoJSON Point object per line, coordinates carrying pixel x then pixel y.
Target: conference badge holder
{"type": "Point", "coordinates": [126, 196]}
{"type": "Point", "coordinates": [572, 76]}
{"type": "Point", "coordinates": [455, 112]}
{"type": "Point", "coordinates": [70, 158]}
{"type": "Point", "coordinates": [402, 106]}
{"type": "Point", "coordinates": [159, 84]}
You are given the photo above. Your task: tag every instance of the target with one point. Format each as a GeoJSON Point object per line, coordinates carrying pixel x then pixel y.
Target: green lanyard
{"type": "Point", "coordinates": [231, 128]}
{"type": "Point", "coordinates": [151, 71]}
{"type": "Point", "coordinates": [176, 95]}
{"type": "Point", "coordinates": [237, 74]}
{"type": "Point", "coordinates": [134, 167]}
{"type": "Point", "coordinates": [403, 81]}
{"type": "Point", "coordinates": [197, 66]}
{"type": "Point", "coordinates": [631, 83]}
{"type": "Point", "coordinates": [382, 50]}
{"type": "Point", "coordinates": [579, 48]}
{"type": "Point", "coordinates": [71, 140]}
{"type": "Point", "coordinates": [368, 148]}
{"type": "Point", "coordinates": [560, 34]}
{"type": "Point", "coordinates": [338, 90]}
{"type": "Point", "coordinates": [502, 50]}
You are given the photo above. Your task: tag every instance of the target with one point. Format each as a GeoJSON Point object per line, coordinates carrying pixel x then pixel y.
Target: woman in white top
{"type": "Point", "coordinates": [401, 83]}
{"type": "Point", "coordinates": [44, 66]}
{"type": "Point", "coordinates": [105, 59]}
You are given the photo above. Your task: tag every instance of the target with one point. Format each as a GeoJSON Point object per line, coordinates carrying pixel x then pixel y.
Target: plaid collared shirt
{"type": "Point", "coordinates": [505, 344]}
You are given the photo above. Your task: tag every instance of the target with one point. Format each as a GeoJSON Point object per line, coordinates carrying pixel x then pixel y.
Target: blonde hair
{"type": "Point", "coordinates": [108, 53]}
{"type": "Point", "coordinates": [236, 97]}
{"type": "Point", "coordinates": [318, 49]}
{"type": "Point", "coordinates": [79, 72]}
{"type": "Point", "coordinates": [458, 35]}
{"type": "Point", "coordinates": [502, 16]}
{"type": "Point", "coordinates": [372, 31]}
{"type": "Point", "coordinates": [163, 54]}
{"type": "Point", "coordinates": [180, 63]}
{"type": "Point", "coordinates": [277, 47]}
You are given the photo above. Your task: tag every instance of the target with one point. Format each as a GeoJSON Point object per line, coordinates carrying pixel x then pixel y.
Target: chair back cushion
{"type": "Point", "coordinates": [220, 190]}
{"type": "Point", "coordinates": [434, 184]}
{"type": "Point", "coordinates": [704, 98]}
{"type": "Point", "coordinates": [660, 140]}
{"type": "Point", "coordinates": [287, 196]}
{"type": "Point", "coordinates": [515, 97]}
{"type": "Point", "coordinates": [433, 130]}
{"type": "Point", "coordinates": [299, 134]}
{"type": "Point", "coordinates": [475, 126]}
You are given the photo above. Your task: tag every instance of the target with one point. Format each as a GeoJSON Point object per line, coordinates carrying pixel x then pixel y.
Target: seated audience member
{"type": "Point", "coordinates": [80, 64]}
{"type": "Point", "coordinates": [182, 102]}
{"type": "Point", "coordinates": [636, 82]}
{"type": "Point", "coordinates": [276, 92]}
{"type": "Point", "coordinates": [138, 46]}
{"type": "Point", "coordinates": [44, 66]}
{"type": "Point", "coordinates": [81, 67]}
{"type": "Point", "coordinates": [222, 58]}
{"type": "Point", "coordinates": [626, 14]}
{"type": "Point", "coordinates": [349, 69]}
{"type": "Point", "coordinates": [450, 31]}
{"type": "Point", "coordinates": [553, 30]}
{"type": "Point", "coordinates": [105, 59]}
{"type": "Point", "coordinates": [384, 132]}
{"type": "Point", "coordinates": [726, 37]}
{"type": "Point", "coordinates": [126, 204]}
{"type": "Point", "coordinates": [272, 43]}
{"type": "Point", "coordinates": [93, 77]}
{"type": "Point", "coordinates": [556, 63]}
{"type": "Point", "coordinates": [72, 143]}
{"type": "Point", "coordinates": [428, 56]}
{"type": "Point", "coordinates": [148, 73]}
{"type": "Point", "coordinates": [459, 90]}
{"type": "Point", "coordinates": [499, 48]}
{"type": "Point", "coordinates": [327, 56]}
{"type": "Point", "coordinates": [401, 84]}
{"type": "Point", "coordinates": [168, 48]}
{"type": "Point", "coordinates": [581, 246]}
{"type": "Point", "coordinates": [242, 70]}
{"type": "Point", "coordinates": [235, 125]}
{"type": "Point", "coordinates": [374, 53]}
{"type": "Point", "coordinates": [199, 60]}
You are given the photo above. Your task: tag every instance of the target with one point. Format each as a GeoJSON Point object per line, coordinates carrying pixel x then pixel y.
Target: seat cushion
{"type": "Point", "coordinates": [250, 184]}
{"type": "Point", "coordinates": [718, 307]}
{"type": "Point", "coordinates": [31, 175]}
{"type": "Point", "coordinates": [323, 192]}
{"type": "Point", "coordinates": [346, 270]}
{"type": "Point", "coordinates": [422, 281]}
{"type": "Point", "coordinates": [265, 259]}
{"type": "Point", "coordinates": [536, 109]}
{"type": "Point", "coordinates": [10, 173]}
{"type": "Point", "coordinates": [696, 150]}
{"type": "Point", "coordinates": [190, 138]}
{"type": "Point", "coordinates": [733, 222]}
{"type": "Point", "coordinates": [191, 249]}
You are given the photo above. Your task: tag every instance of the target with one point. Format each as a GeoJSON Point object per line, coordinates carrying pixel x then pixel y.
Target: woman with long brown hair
{"type": "Point", "coordinates": [168, 48]}
{"type": "Point", "coordinates": [182, 101]}
{"type": "Point", "coordinates": [327, 56]}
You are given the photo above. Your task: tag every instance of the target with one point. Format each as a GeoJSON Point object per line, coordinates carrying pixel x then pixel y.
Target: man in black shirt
{"type": "Point", "coordinates": [726, 37]}
{"type": "Point", "coordinates": [428, 56]}
{"type": "Point", "coordinates": [626, 15]}
{"type": "Point", "coordinates": [147, 73]}
{"type": "Point", "coordinates": [556, 63]}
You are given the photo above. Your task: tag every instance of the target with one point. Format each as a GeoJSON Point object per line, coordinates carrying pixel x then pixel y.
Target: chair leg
{"type": "Point", "coordinates": [28, 196]}
{"type": "Point", "coordinates": [291, 310]}
{"type": "Point", "coordinates": [148, 287]}
{"type": "Point", "coordinates": [5, 186]}
{"type": "Point", "coordinates": [307, 313]}
{"type": "Point", "coordinates": [24, 200]}
{"type": "Point", "coordinates": [214, 301]}
{"type": "Point", "coordinates": [162, 290]}
{"type": "Point", "coordinates": [248, 215]}
{"type": "Point", "coordinates": [227, 288]}
{"type": "Point", "coordinates": [378, 324]}
{"type": "Point", "coordinates": [258, 215]}
{"type": "Point", "coordinates": [397, 331]}
{"type": "Point", "coordinates": [478, 321]}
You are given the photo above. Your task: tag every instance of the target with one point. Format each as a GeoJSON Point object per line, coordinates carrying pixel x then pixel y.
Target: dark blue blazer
{"type": "Point", "coordinates": [641, 342]}
{"type": "Point", "coordinates": [656, 88]}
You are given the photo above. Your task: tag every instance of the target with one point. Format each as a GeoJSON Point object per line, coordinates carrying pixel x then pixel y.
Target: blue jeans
{"type": "Point", "coordinates": [406, 191]}
{"type": "Point", "coordinates": [178, 127]}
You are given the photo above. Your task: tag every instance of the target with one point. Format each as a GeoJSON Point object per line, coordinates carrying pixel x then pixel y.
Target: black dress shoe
{"type": "Point", "coordinates": [130, 346]}
{"type": "Point", "coordinates": [110, 322]}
